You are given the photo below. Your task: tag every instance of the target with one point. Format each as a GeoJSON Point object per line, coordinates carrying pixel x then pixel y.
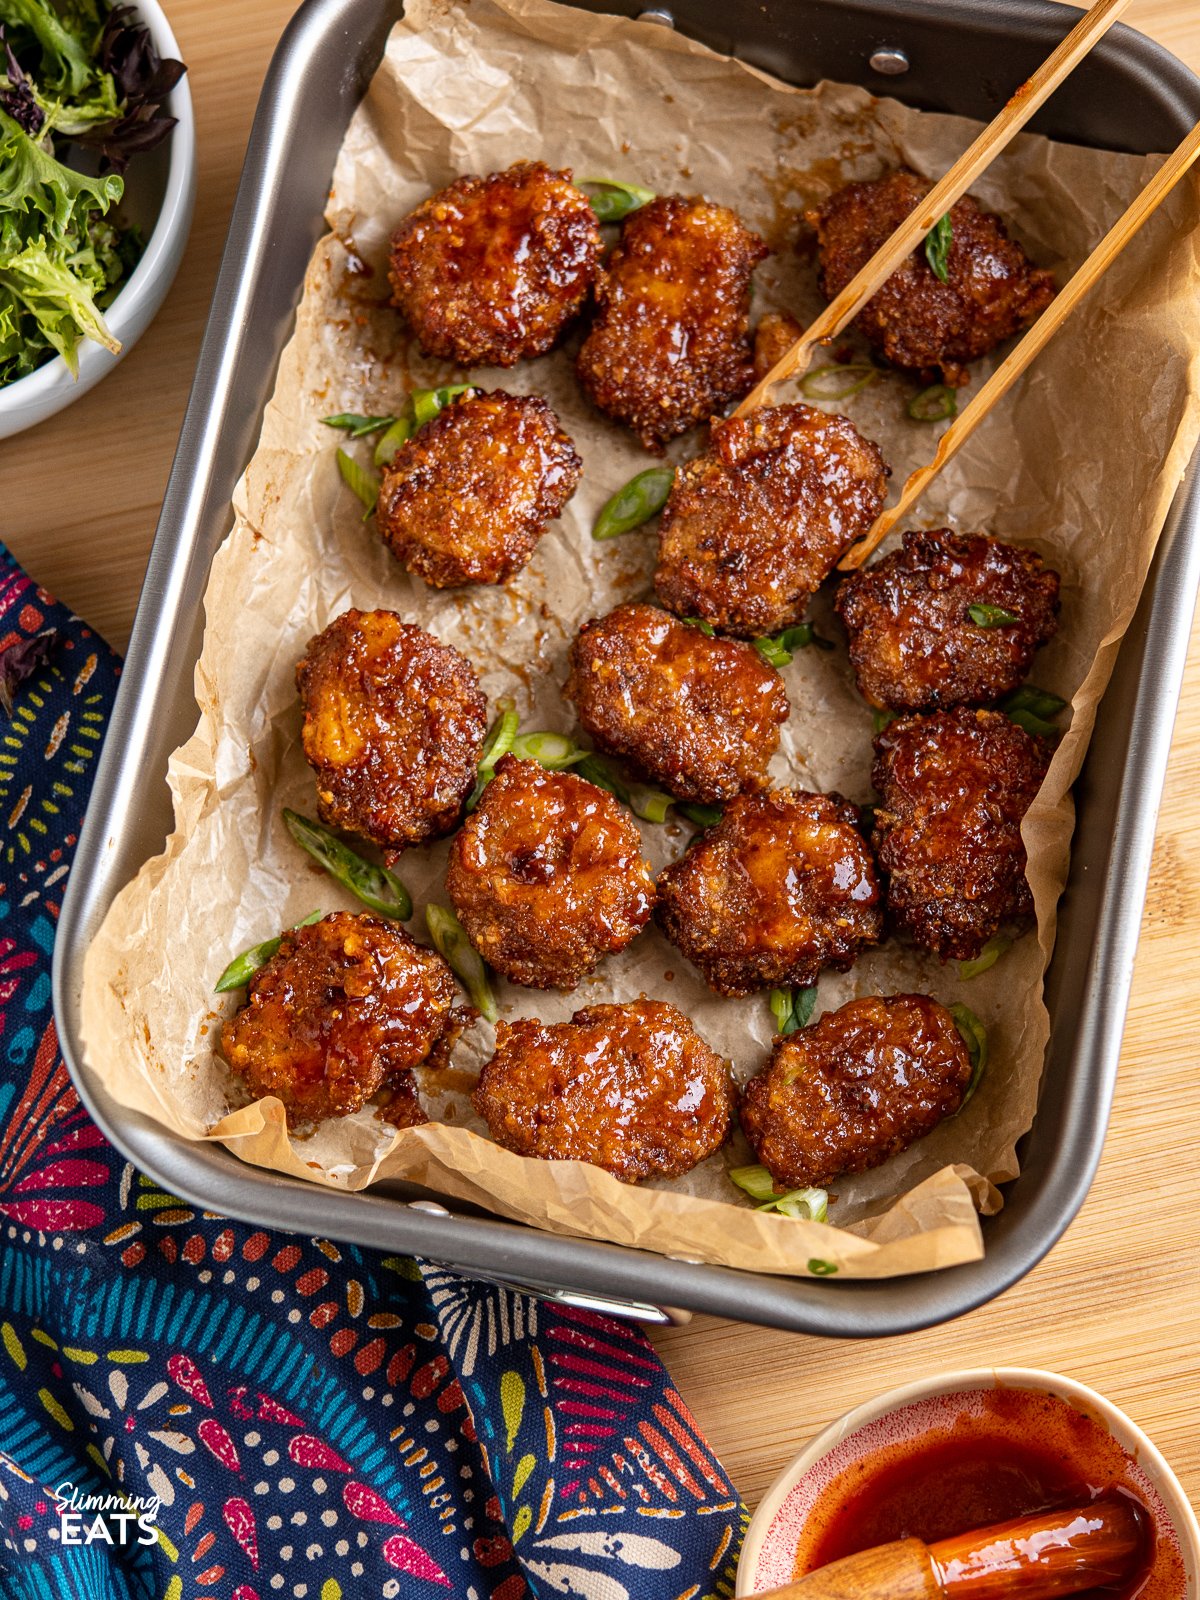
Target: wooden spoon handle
{"type": "Point", "coordinates": [900, 1571]}
{"type": "Point", "coordinates": [1042, 1557]}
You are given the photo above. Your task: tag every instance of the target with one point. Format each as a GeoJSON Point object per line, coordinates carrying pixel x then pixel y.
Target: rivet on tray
{"type": "Point", "coordinates": [428, 1205]}
{"type": "Point", "coordinates": [890, 60]}
{"type": "Point", "coordinates": [658, 14]}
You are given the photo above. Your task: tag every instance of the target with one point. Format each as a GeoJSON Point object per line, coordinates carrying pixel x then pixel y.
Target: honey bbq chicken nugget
{"type": "Point", "coordinates": [491, 270]}
{"type": "Point", "coordinates": [631, 1088]}
{"type": "Point", "coordinates": [955, 787]}
{"type": "Point", "coordinates": [855, 1087]}
{"type": "Point", "coordinates": [773, 338]}
{"type": "Point", "coordinates": [547, 876]}
{"type": "Point", "coordinates": [949, 619]}
{"type": "Point", "coordinates": [348, 1006]}
{"type": "Point", "coordinates": [783, 886]}
{"type": "Point", "coordinates": [670, 345]}
{"type": "Point", "coordinates": [394, 722]}
{"type": "Point", "coordinates": [467, 498]}
{"type": "Point", "coordinates": [753, 526]}
{"type": "Point", "coordinates": [699, 715]}
{"type": "Point", "coordinates": [992, 289]}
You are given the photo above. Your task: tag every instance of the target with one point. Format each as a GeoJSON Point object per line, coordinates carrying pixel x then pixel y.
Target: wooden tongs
{"type": "Point", "coordinates": [1056, 1553]}
{"type": "Point", "coordinates": [842, 310]}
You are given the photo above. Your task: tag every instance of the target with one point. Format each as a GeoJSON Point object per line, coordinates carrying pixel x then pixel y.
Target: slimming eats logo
{"type": "Point", "coordinates": [115, 1519]}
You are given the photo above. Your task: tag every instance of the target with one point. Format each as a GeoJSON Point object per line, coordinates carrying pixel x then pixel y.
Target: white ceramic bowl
{"type": "Point", "coordinates": [160, 192]}
{"type": "Point", "coordinates": [768, 1554]}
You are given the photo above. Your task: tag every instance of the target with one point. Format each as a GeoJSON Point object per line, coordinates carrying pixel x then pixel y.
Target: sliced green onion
{"type": "Point", "coordinates": [397, 434]}
{"type": "Point", "coordinates": [933, 404]}
{"type": "Point", "coordinates": [365, 484]}
{"type": "Point", "coordinates": [1033, 709]}
{"type": "Point", "coordinates": [1030, 698]}
{"type": "Point", "coordinates": [357, 426]}
{"type": "Point", "coordinates": [809, 1205]}
{"type": "Point", "coordinates": [792, 1008]}
{"type": "Point", "coordinates": [705, 628]}
{"type": "Point", "coordinates": [649, 803]}
{"type": "Point", "coordinates": [1037, 726]}
{"type": "Point", "coordinates": [985, 616]}
{"type": "Point", "coordinates": [974, 1036]}
{"type": "Point", "coordinates": [374, 885]}
{"type": "Point", "coordinates": [838, 382]}
{"type": "Point", "coordinates": [554, 751]}
{"type": "Point", "coordinates": [652, 805]}
{"type": "Point", "coordinates": [772, 652]}
{"type": "Point", "coordinates": [498, 743]}
{"type": "Point", "coordinates": [821, 1269]}
{"type": "Point", "coordinates": [702, 816]}
{"type": "Point", "coordinates": [642, 497]}
{"type": "Point", "coordinates": [613, 201]}
{"type": "Point", "coordinates": [596, 770]}
{"type": "Point", "coordinates": [937, 248]}
{"type": "Point", "coordinates": [779, 648]}
{"type": "Point", "coordinates": [987, 957]}
{"type": "Point", "coordinates": [881, 717]}
{"type": "Point", "coordinates": [781, 1010]}
{"type": "Point", "coordinates": [426, 403]}
{"type": "Point", "coordinates": [645, 801]}
{"type": "Point", "coordinates": [451, 942]}
{"type": "Point", "coordinates": [242, 968]}
{"type": "Point", "coordinates": [755, 1181]}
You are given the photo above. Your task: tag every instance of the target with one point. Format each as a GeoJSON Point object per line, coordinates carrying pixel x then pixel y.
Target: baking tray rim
{"type": "Point", "coordinates": [530, 1256]}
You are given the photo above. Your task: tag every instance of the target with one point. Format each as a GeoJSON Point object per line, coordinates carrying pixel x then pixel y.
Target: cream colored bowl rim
{"type": "Point", "coordinates": [174, 213]}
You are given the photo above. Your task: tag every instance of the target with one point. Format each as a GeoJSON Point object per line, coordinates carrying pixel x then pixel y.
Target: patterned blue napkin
{"type": "Point", "coordinates": [194, 1407]}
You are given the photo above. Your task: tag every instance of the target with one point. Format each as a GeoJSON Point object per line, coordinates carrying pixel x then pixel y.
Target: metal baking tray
{"type": "Point", "coordinates": [961, 57]}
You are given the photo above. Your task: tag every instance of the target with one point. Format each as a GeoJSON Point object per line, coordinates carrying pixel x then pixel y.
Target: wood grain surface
{"type": "Point", "coordinates": [1116, 1303]}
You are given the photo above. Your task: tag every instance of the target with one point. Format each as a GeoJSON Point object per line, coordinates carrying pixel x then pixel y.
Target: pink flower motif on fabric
{"type": "Point", "coordinates": [217, 1442]}
{"type": "Point", "coordinates": [239, 1519]}
{"type": "Point", "coordinates": [400, 1552]}
{"type": "Point", "coordinates": [306, 1450]}
{"type": "Point", "coordinates": [187, 1375]}
{"type": "Point", "coordinates": [362, 1501]}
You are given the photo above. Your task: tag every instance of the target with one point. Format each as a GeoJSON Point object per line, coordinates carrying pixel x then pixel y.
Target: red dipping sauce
{"type": "Point", "coordinates": [1010, 1453]}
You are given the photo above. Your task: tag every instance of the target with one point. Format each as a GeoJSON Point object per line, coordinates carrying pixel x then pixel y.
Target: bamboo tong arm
{"type": "Point", "coordinates": [1032, 344]}
{"type": "Point", "coordinates": [1012, 118]}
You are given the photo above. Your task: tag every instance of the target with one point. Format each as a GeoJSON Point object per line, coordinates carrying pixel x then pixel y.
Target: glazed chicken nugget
{"type": "Point", "coordinates": [699, 715]}
{"type": "Point", "coordinates": [348, 1006]}
{"type": "Point", "coordinates": [631, 1088]}
{"type": "Point", "coordinates": [547, 876]}
{"type": "Point", "coordinates": [467, 498]}
{"type": "Point", "coordinates": [954, 789]}
{"type": "Point", "coordinates": [992, 289]}
{"type": "Point", "coordinates": [773, 338]}
{"type": "Point", "coordinates": [915, 644]}
{"type": "Point", "coordinates": [855, 1087]}
{"type": "Point", "coordinates": [491, 270]}
{"type": "Point", "coordinates": [754, 525]}
{"type": "Point", "coordinates": [394, 722]}
{"type": "Point", "coordinates": [670, 345]}
{"type": "Point", "coordinates": [783, 886]}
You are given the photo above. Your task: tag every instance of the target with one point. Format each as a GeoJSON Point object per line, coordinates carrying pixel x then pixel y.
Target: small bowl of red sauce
{"type": "Point", "coordinates": [968, 1450]}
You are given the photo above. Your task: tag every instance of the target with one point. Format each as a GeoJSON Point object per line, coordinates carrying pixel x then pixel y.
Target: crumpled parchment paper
{"type": "Point", "coordinates": [1081, 461]}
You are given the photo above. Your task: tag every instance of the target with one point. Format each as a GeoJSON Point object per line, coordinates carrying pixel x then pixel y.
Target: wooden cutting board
{"type": "Point", "coordinates": [1115, 1304]}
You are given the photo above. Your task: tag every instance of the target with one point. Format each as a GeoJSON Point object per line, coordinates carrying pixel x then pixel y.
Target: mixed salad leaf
{"type": "Point", "coordinates": [81, 85]}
